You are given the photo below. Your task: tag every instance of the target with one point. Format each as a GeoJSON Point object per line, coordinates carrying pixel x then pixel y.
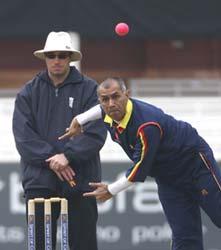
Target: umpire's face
{"type": "Point", "coordinates": [58, 63]}
{"type": "Point", "coordinates": [113, 101]}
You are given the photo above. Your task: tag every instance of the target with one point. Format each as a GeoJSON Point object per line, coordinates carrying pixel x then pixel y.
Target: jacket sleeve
{"type": "Point", "coordinates": [89, 143]}
{"type": "Point", "coordinates": [148, 140]}
{"type": "Point", "coordinates": [31, 147]}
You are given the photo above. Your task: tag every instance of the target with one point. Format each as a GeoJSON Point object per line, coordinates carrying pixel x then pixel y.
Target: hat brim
{"type": "Point", "coordinates": [75, 56]}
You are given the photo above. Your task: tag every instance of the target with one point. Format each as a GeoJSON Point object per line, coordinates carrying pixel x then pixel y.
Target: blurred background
{"type": "Point", "coordinates": [170, 58]}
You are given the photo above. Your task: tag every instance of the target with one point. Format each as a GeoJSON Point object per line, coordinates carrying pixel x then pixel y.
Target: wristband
{"type": "Point", "coordinates": [119, 185]}
{"type": "Point", "coordinates": [89, 115]}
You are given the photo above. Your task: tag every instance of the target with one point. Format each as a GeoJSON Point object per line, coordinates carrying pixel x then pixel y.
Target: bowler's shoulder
{"type": "Point", "coordinates": [143, 104]}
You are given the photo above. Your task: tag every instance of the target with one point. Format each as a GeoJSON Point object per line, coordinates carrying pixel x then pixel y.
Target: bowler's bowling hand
{"type": "Point", "coordinates": [74, 129]}
{"type": "Point", "coordinates": [101, 192]}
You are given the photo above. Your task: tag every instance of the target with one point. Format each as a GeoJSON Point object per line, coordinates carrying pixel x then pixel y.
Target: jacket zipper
{"type": "Point", "coordinates": [56, 92]}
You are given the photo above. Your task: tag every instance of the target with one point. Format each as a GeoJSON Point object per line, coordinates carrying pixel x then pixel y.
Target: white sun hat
{"type": "Point", "coordinates": [58, 41]}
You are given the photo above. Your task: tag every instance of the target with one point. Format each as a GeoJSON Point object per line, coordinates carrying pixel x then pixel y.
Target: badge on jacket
{"type": "Point", "coordinates": [71, 101]}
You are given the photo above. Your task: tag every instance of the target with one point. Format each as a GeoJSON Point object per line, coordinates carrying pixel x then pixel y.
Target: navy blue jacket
{"type": "Point", "coordinates": [158, 144]}
{"type": "Point", "coordinates": [42, 113]}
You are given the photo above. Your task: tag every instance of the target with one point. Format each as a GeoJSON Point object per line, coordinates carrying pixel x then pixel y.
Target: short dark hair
{"type": "Point", "coordinates": [108, 81]}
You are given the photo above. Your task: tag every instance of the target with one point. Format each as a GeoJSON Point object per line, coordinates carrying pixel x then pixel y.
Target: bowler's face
{"type": "Point", "coordinates": [113, 101]}
{"type": "Point", "coordinates": [57, 63]}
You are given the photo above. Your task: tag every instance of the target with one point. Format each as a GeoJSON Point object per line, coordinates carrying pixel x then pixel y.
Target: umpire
{"type": "Point", "coordinates": [43, 109]}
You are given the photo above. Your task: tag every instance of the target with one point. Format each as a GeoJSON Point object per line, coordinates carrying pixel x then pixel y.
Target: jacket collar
{"type": "Point", "coordinates": [123, 123]}
{"type": "Point", "coordinates": [74, 76]}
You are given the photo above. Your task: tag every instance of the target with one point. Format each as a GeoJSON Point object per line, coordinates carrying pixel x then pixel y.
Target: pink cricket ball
{"type": "Point", "coordinates": [122, 29]}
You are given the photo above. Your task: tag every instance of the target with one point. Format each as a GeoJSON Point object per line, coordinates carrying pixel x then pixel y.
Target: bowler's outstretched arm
{"type": "Point", "coordinates": [76, 126]}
